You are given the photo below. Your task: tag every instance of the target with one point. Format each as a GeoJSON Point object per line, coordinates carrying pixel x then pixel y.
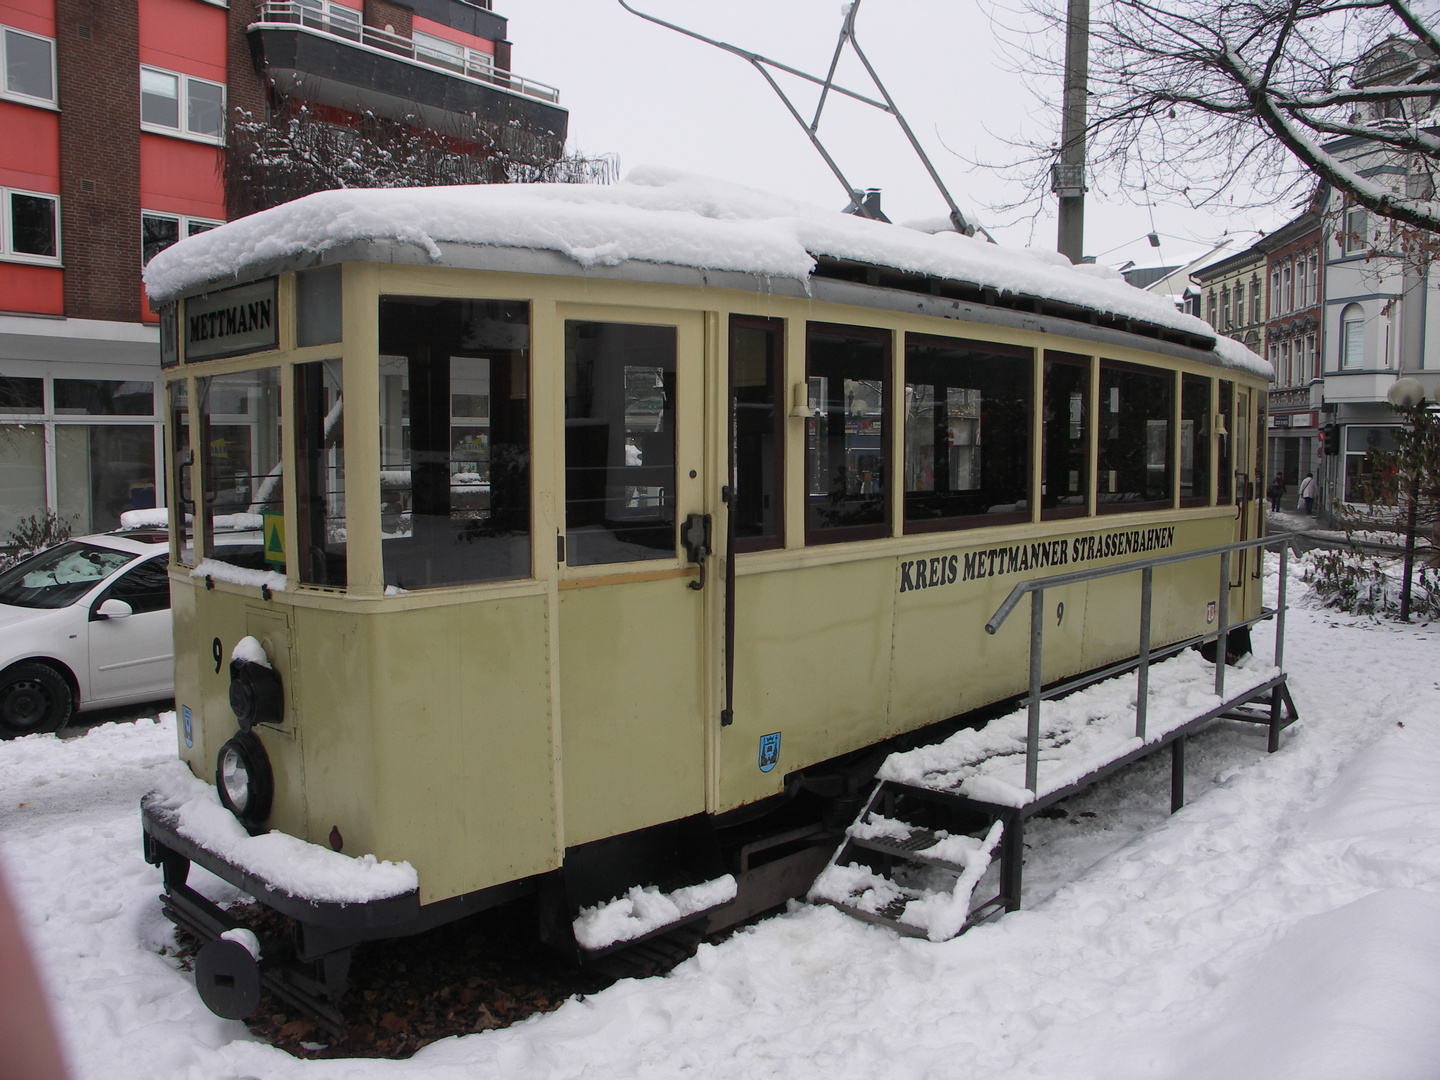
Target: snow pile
{"type": "Point", "coordinates": [1078, 734]}
{"type": "Point", "coordinates": [248, 650]}
{"type": "Point", "coordinates": [144, 519]}
{"type": "Point", "coordinates": [239, 575]}
{"type": "Point", "coordinates": [644, 909]}
{"type": "Point", "coordinates": [288, 864]}
{"type": "Point", "coordinates": [655, 215]}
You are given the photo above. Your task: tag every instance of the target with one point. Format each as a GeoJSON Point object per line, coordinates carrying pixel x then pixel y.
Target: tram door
{"type": "Point", "coordinates": [630, 624]}
{"type": "Point", "coordinates": [1247, 488]}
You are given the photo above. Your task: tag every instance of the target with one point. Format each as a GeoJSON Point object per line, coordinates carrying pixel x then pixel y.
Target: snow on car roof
{"type": "Point", "coordinates": [655, 215]}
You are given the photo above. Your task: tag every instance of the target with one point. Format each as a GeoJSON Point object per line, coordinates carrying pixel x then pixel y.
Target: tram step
{"type": "Point", "coordinates": [925, 878]}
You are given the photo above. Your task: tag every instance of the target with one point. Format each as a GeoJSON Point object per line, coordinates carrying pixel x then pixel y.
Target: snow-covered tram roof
{"type": "Point", "coordinates": [659, 220]}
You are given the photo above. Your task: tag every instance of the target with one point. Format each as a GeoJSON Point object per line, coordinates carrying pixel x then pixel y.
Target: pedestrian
{"type": "Point", "coordinates": [1307, 493]}
{"type": "Point", "coordinates": [1276, 490]}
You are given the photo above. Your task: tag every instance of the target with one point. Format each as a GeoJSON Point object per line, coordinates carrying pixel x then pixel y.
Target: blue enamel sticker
{"type": "Point", "coordinates": [769, 751]}
{"type": "Point", "coordinates": [187, 725]}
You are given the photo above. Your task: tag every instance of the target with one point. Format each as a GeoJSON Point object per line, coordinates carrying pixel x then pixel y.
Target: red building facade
{"type": "Point", "coordinates": [113, 120]}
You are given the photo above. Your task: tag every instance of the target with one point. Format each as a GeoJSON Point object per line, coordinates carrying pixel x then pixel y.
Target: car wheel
{"type": "Point", "coordinates": [33, 697]}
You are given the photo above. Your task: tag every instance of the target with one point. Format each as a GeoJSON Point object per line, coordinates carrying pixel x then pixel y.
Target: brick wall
{"type": "Point", "coordinates": [99, 85]}
{"type": "Point", "coordinates": [381, 13]}
{"type": "Point", "coordinates": [245, 86]}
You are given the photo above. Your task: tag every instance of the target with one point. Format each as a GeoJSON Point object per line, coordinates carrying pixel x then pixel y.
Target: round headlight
{"type": "Point", "coordinates": [244, 780]}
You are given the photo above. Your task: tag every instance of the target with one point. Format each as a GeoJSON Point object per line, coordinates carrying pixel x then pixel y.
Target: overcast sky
{"type": "Point", "coordinates": [652, 96]}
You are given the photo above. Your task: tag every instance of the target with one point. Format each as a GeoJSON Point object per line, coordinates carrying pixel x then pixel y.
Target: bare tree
{"type": "Point", "coordinates": [1253, 99]}
{"type": "Point", "coordinates": [295, 151]}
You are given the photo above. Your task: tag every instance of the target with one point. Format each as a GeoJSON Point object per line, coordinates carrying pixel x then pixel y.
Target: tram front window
{"type": "Point", "coordinates": [454, 440]}
{"type": "Point", "coordinates": [320, 473]}
{"type": "Point", "coordinates": [244, 492]}
{"type": "Point", "coordinates": [967, 433]}
{"type": "Point", "coordinates": [619, 442]}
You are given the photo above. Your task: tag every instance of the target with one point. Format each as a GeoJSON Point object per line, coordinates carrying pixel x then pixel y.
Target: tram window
{"type": "Point", "coordinates": [846, 456]}
{"type": "Point", "coordinates": [1224, 457]}
{"type": "Point", "coordinates": [1194, 441]}
{"type": "Point", "coordinates": [320, 473]}
{"type": "Point", "coordinates": [184, 459]}
{"type": "Point", "coordinates": [967, 433]}
{"type": "Point", "coordinates": [619, 442]}
{"type": "Point", "coordinates": [1065, 437]}
{"type": "Point", "coordinates": [454, 440]}
{"type": "Point", "coordinates": [1136, 456]}
{"type": "Point", "coordinates": [244, 491]}
{"type": "Point", "coordinates": [757, 432]}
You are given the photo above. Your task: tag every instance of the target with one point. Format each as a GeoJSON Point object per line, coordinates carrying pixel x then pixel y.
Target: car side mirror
{"type": "Point", "coordinates": [112, 609]}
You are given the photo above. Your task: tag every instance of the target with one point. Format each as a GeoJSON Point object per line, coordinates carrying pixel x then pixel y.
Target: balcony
{"type": "Point", "coordinates": [325, 55]}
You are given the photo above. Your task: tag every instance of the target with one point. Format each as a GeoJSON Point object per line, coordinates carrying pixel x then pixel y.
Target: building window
{"type": "Point", "coordinates": [967, 433]}
{"type": "Point", "coordinates": [1212, 317]}
{"type": "Point", "coordinates": [1239, 303]}
{"type": "Point", "coordinates": [160, 231]}
{"type": "Point", "coordinates": [30, 229]}
{"type": "Point", "coordinates": [1136, 459]}
{"type": "Point", "coordinates": [1356, 235]}
{"type": "Point", "coordinates": [27, 64]}
{"type": "Point", "coordinates": [1224, 323]}
{"type": "Point", "coordinates": [330, 17]}
{"type": "Point", "coordinates": [1287, 296]}
{"type": "Point", "coordinates": [846, 449]}
{"type": "Point", "coordinates": [1302, 283]}
{"type": "Point", "coordinates": [1314, 296]}
{"type": "Point", "coordinates": [1352, 336]}
{"type": "Point", "coordinates": [1275, 308]}
{"type": "Point", "coordinates": [174, 104]}
{"type": "Point", "coordinates": [1311, 370]}
{"type": "Point", "coordinates": [1256, 314]}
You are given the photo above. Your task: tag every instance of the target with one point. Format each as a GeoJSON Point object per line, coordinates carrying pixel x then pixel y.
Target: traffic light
{"type": "Point", "coordinates": [1330, 439]}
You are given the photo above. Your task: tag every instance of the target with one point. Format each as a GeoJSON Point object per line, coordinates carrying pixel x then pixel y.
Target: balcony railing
{"type": "Point", "coordinates": [333, 21]}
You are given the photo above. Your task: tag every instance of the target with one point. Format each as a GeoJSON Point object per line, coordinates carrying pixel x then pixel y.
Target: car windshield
{"type": "Point", "coordinates": [59, 576]}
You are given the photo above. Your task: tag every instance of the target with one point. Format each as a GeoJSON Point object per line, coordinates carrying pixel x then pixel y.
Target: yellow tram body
{"type": "Point", "coordinates": [479, 731]}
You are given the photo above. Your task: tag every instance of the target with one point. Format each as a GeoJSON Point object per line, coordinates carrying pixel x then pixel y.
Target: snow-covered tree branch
{"type": "Point", "coordinates": [1211, 98]}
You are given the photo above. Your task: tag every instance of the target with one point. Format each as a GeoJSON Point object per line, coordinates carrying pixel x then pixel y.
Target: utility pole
{"type": "Point", "coordinates": [1067, 176]}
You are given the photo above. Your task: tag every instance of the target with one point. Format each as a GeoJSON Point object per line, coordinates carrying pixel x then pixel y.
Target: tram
{"type": "Point", "coordinates": [562, 541]}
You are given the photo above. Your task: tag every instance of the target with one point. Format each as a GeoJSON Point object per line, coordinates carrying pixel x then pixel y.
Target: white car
{"type": "Point", "coordinates": [85, 625]}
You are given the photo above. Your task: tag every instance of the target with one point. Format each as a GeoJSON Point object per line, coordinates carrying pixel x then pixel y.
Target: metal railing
{"type": "Point", "coordinates": [1145, 568]}
{"type": "Point", "coordinates": [470, 64]}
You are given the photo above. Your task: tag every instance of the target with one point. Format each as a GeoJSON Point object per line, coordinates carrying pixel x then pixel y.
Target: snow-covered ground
{"type": "Point", "coordinates": [1285, 924]}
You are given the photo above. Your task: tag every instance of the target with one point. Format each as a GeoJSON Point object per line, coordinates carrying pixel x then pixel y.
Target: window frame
{"type": "Point", "coordinates": [1355, 235]}
{"type": "Point", "coordinates": [183, 223]}
{"type": "Point", "coordinates": [1346, 361]}
{"type": "Point", "coordinates": [779, 327]}
{"type": "Point", "coordinates": [1171, 417]}
{"type": "Point", "coordinates": [53, 101]}
{"type": "Point", "coordinates": [7, 229]}
{"type": "Point", "coordinates": [182, 131]}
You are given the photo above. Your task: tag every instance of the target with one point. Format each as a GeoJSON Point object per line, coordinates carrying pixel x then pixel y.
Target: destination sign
{"type": "Point", "coordinates": [231, 322]}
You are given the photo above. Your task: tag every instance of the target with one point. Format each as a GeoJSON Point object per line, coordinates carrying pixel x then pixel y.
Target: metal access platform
{"type": "Point", "coordinates": [939, 814]}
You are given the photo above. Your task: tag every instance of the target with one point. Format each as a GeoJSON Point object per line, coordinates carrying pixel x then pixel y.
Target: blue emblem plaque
{"type": "Point", "coordinates": [187, 725]}
{"type": "Point", "coordinates": [769, 751]}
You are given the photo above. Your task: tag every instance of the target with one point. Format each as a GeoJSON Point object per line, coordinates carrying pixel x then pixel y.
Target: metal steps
{"type": "Point", "coordinates": [899, 868]}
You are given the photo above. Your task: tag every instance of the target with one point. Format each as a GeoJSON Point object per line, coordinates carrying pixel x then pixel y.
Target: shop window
{"type": "Point", "coordinates": [619, 442]}
{"type": "Point", "coordinates": [967, 433]}
{"type": "Point", "coordinates": [30, 229]}
{"type": "Point", "coordinates": [176, 104]}
{"type": "Point", "coordinates": [183, 457]}
{"type": "Point", "coordinates": [1352, 336]}
{"type": "Point", "coordinates": [1361, 443]}
{"type": "Point", "coordinates": [22, 463]}
{"type": "Point", "coordinates": [1224, 444]}
{"type": "Point", "coordinates": [243, 509]}
{"type": "Point", "coordinates": [103, 471]}
{"type": "Point", "coordinates": [846, 453]}
{"type": "Point", "coordinates": [104, 397]}
{"type": "Point", "coordinates": [757, 432]}
{"type": "Point", "coordinates": [27, 64]}
{"type": "Point", "coordinates": [320, 473]}
{"type": "Point", "coordinates": [1136, 457]}
{"type": "Point", "coordinates": [22, 396]}
{"type": "Point", "coordinates": [455, 440]}
{"type": "Point", "coordinates": [1065, 437]}
{"type": "Point", "coordinates": [1194, 440]}
{"type": "Point", "coordinates": [160, 231]}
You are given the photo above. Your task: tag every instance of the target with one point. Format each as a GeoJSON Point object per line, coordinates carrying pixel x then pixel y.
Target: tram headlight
{"type": "Point", "coordinates": [256, 694]}
{"type": "Point", "coordinates": [244, 780]}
